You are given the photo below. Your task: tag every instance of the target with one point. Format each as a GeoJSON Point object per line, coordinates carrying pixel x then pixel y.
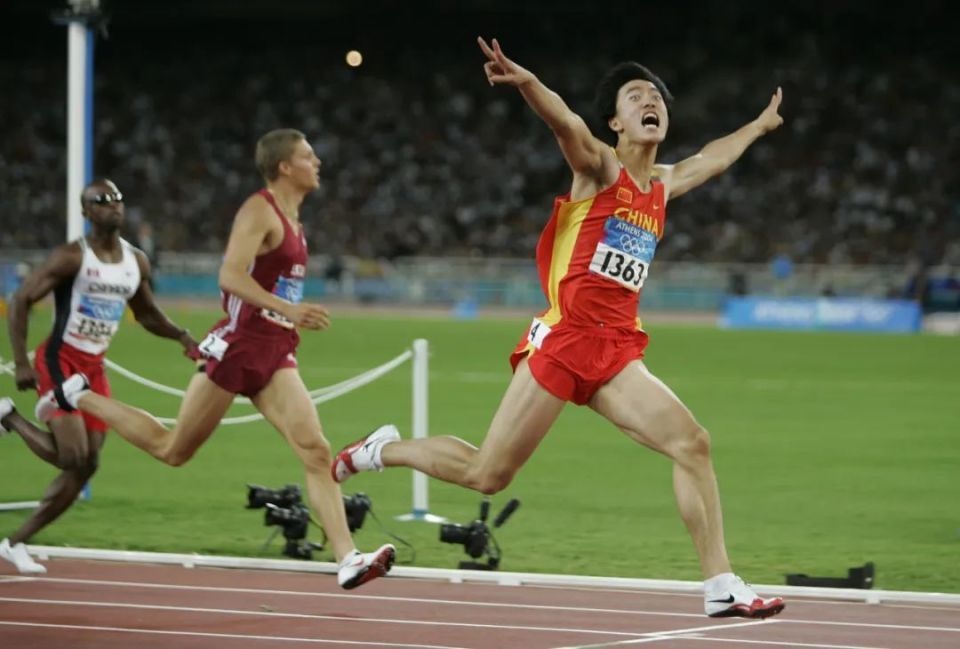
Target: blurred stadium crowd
{"type": "Point", "coordinates": [422, 157]}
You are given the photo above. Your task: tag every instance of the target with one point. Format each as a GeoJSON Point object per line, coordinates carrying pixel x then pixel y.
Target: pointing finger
{"type": "Point", "coordinates": [486, 48]}
{"type": "Point", "coordinates": [500, 56]}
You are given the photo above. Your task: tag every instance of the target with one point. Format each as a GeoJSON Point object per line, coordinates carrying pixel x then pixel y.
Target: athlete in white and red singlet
{"type": "Point", "coordinates": [92, 280]}
{"type": "Point", "coordinates": [253, 350]}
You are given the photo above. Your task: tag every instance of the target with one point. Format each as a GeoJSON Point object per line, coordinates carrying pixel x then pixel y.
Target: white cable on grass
{"type": "Point", "coordinates": [332, 392]}
{"type": "Point", "coordinates": [317, 396]}
{"type": "Point", "coordinates": [177, 392]}
{"type": "Point", "coordinates": [159, 387]}
{"type": "Point", "coordinates": [418, 353]}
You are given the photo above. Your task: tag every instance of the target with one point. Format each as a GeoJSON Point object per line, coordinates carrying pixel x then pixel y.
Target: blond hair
{"type": "Point", "coordinates": [276, 147]}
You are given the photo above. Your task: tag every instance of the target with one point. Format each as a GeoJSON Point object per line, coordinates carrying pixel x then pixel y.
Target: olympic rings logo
{"type": "Point", "coordinates": [632, 245]}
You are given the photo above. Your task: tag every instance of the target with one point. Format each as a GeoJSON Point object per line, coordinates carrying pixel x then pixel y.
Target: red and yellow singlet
{"type": "Point", "coordinates": [594, 255]}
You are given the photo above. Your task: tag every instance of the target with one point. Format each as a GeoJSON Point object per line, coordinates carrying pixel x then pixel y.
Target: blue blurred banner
{"type": "Point", "coordinates": [9, 280]}
{"type": "Point", "coordinates": [831, 314]}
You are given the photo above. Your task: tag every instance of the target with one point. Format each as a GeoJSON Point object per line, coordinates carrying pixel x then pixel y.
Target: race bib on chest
{"type": "Point", "coordinates": [100, 308]}
{"type": "Point", "coordinates": [289, 289]}
{"type": "Point", "coordinates": [96, 319]}
{"type": "Point", "coordinates": [624, 253]}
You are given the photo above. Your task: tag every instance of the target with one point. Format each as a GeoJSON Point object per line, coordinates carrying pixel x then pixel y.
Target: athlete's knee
{"type": "Point", "coordinates": [72, 457]}
{"type": "Point", "coordinates": [314, 450]}
{"type": "Point", "coordinates": [90, 465]}
{"type": "Point", "coordinates": [177, 456]}
{"type": "Point", "coordinates": [489, 481]}
{"type": "Point", "coordinates": [692, 444]}
{"type": "Point", "coordinates": [82, 473]}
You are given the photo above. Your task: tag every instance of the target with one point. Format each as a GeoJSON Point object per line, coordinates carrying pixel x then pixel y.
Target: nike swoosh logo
{"type": "Point", "coordinates": [728, 600]}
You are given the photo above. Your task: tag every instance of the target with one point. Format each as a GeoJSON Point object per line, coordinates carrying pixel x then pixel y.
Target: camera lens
{"type": "Point", "coordinates": [258, 496]}
{"type": "Point", "coordinates": [453, 533]}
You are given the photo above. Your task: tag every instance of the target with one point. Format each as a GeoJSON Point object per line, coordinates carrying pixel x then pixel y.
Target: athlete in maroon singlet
{"type": "Point", "coordinates": [593, 257]}
{"type": "Point", "coordinates": [258, 340]}
{"type": "Point", "coordinates": [253, 350]}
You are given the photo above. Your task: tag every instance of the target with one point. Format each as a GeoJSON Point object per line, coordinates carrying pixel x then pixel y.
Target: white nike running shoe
{"type": "Point", "coordinates": [364, 454]}
{"type": "Point", "coordinates": [18, 556]}
{"type": "Point", "coordinates": [358, 568]}
{"type": "Point", "coordinates": [6, 407]}
{"type": "Point", "coordinates": [728, 596]}
{"type": "Point", "coordinates": [73, 388]}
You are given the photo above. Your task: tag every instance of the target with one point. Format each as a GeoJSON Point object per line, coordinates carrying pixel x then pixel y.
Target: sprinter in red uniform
{"type": "Point", "coordinates": [253, 350]}
{"type": "Point", "coordinates": [593, 259]}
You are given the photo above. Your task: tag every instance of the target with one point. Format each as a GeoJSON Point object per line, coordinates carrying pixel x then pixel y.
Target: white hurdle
{"type": "Point", "coordinates": [419, 357]}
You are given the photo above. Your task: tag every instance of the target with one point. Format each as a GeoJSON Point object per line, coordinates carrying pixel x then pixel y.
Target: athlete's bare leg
{"type": "Point", "coordinates": [64, 445]}
{"type": "Point", "coordinates": [65, 488]}
{"type": "Point", "coordinates": [286, 404]}
{"type": "Point", "coordinates": [201, 410]}
{"type": "Point", "coordinates": [651, 414]}
{"type": "Point", "coordinates": [525, 415]}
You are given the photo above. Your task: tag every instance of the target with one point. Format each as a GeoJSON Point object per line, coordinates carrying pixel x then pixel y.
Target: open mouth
{"type": "Point", "coordinates": [650, 119]}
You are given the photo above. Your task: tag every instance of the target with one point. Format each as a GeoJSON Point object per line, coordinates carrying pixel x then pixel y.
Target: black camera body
{"type": "Point", "coordinates": [258, 496]}
{"type": "Point", "coordinates": [356, 507]}
{"type": "Point", "coordinates": [293, 520]}
{"type": "Point", "coordinates": [472, 537]}
{"type": "Point", "coordinates": [477, 539]}
{"type": "Point", "coordinates": [285, 508]}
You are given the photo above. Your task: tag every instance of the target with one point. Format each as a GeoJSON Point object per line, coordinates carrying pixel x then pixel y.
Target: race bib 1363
{"type": "Point", "coordinates": [624, 253]}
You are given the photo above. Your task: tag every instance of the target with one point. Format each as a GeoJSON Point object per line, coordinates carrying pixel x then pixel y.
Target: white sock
{"type": "Point", "coordinates": [6, 406]}
{"type": "Point", "coordinates": [718, 582]}
{"type": "Point", "coordinates": [377, 459]}
{"type": "Point", "coordinates": [74, 399]}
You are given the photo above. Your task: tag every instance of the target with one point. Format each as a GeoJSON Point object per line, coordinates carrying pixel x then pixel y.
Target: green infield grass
{"type": "Point", "coordinates": [831, 450]}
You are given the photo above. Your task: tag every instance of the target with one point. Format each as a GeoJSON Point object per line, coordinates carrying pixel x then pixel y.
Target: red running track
{"type": "Point", "coordinates": [103, 605]}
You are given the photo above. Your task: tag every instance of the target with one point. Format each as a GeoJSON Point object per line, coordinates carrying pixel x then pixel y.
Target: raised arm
{"type": "Point", "coordinates": [62, 265]}
{"type": "Point", "coordinates": [149, 314]}
{"type": "Point", "coordinates": [718, 155]}
{"type": "Point", "coordinates": [249, 237]}
{"type": "Point", "coordinates": [584, 153]}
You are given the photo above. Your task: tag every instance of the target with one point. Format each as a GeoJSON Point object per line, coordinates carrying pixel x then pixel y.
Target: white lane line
{"type": "Point", "coordinates": [920, 607]}
{"type": "Point", "coordinates": [232, 636]}
{"type": "Point", "coordinates": [793, 601]}
{"type": "Point", "coordinates": [310, 616]}
{"type": "Point", "coordinates": [779, 643]}
{"type": "Point", "coordinates": [903, 627]}
{"type": "Point", "coordinates": [604, 645]}
{"type": "Point", "coordinates": [379, 598]}
{"type": "Point", "coordinates": [15, 580]}
{"type": "Point", "coordinates": [452, 602]}
{"type": "Point", "coordinates": [656, 636]}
